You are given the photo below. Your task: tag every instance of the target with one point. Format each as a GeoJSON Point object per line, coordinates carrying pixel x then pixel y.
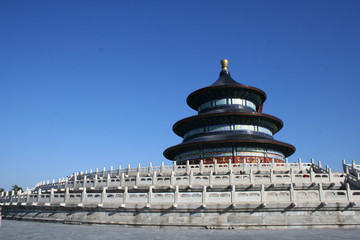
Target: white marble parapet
{"type": "Point", "coordinates": [352, 168]}
{"type": "Point", "coordinates": [182, 197]}
{"type": "Point", "coordinates": [203, 184]}
{"type": "Point", "coordinates": [353, 173]}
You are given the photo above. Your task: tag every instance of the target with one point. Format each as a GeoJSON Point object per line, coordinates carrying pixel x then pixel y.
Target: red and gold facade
{"type": "Point", "coordinates": [230, 126]}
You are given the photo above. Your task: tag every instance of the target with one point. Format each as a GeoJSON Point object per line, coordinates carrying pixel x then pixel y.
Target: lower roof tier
{"type": "Point", "coordinates": [266, 144]}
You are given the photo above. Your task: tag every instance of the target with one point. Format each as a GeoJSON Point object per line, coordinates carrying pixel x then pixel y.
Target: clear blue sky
{"type": "Point", "coordinates": [88, 84]}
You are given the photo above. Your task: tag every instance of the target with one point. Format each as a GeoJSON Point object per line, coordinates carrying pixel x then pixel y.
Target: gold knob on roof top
{"type": "Point", "coordinates": [224, 64]}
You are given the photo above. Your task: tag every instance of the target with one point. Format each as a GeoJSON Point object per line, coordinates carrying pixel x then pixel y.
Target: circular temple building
{"type": "Point", "coordinates": [229, 127]}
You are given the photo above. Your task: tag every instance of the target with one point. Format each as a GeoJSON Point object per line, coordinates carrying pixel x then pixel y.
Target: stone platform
{"type": "Point", "coordinates": [220, 196]}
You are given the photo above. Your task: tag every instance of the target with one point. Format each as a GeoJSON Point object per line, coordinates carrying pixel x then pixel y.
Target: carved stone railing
{"type": "Point", "coordinates": [196, 168]}
{"type": "Point", "coordinates": [96, 187]}
{"type": "Point", "coordinates": [99, 177]}
{"type": "Point", "coordinates": [176, 196]}
{"type": "Point", "coordinates": [206, 179]}
{"type": "Point", "coordinates": [353, 173]}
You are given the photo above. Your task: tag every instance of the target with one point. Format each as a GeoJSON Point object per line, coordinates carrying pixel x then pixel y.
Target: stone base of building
{"type": "Point", "coordinates": [222, 160]}
{"type": "Point", "coordinates": [213, 196]}
{"type": "Point", "coordinates": [246, 216]}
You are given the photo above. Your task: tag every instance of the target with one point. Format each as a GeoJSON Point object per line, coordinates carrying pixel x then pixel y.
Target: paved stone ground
{"type": "Point", "coordinates": [52, 231]}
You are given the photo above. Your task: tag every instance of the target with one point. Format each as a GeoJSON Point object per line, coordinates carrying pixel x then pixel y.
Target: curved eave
{"type": "Point", "coordinates": [187, 124]}
{"type": "Point", "coordinates": [285, 148]}
{"type": "Point", "coordinates": [195, 99]}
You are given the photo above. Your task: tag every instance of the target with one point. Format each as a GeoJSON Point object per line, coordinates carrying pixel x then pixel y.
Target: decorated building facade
{"type": "Point", "coordinates": [229, 127]}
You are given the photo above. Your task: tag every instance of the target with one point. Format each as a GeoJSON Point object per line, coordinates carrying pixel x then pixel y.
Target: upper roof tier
{"type": "Point", "coordinates": [226, 87]}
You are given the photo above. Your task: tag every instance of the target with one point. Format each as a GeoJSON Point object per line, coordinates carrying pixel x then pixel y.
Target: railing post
{"type": "Point", "coordinates": [233, 194]}
{"type": "Point", "coordinates": [330, 175]}
{"type": "Point", "coordinates": [137, 179]}
{"type": "Point", "coordinates": [84, 181]}
{"type": "Point", "coordinates": [262, 193]}
{"type": "Point", "coordinates": [191, 178]}
{"type": "Point", "coordinates": [150, 195]}
{"type": "Point", "coordinates": [83, 195]}
{"type": "Point", "coordinates": [154, 179]}
{"type": "Point", "coordinates": [125, 195]}
{"type": "Point", "coordinates": [150, 168]}
{"type": "Point", "coordinates": [231, 177]}
{"type": "Point", "coordinates": [119, 171]}
{"type": "Point", "coordinates": [27, 194]}
{"type": "Point", "coordinates": [58, 187]}
{"type": "Point", "coordinates": [201, 166]}
{"type": "Point", "coordinates": [108, 179]}
{"type": "Point", "coordinates": [95, 180]}
{"type": "Point", "coordinates": [172, 178]}
{"type": "Point", "coordinates": [312, 177]}
{"type": "Point", "coordinates": [38, 195]}
{"type": "Point", "coordinates": [138, 168]}
{"type": "Point", "coordinates": [111, 170]}
{"type": "Point", "coordinates": [215, 166]}
{"type": "Point", "coordinates": [176, 196]}
{"type": "Point", "coordinates": [74, 180]}
{"type": "Point", "coordinates": [344, 164]}
{"type": "Point", "coordinates": [162, 168]}
{"type": "Point", "coordinates": [66, 195]}
{"type": "Point", "coordinates": [122, 179]}
{"type": "Point", "coordinates": [251, 176]}
{"type": "Point", "coordinates": [348, 192]}
{"type": "Point", "coordinates": [299, 163]}
{"type": "Point", "coordinates": [292, 192]}
{"type": "Point", "coordinates": [51, 195]}
{"type": "Point", "coordinates": [211, 180]}
{"type": "Point", "coordinates": [346, 169]}
{"type": "Point", "coordinates": [321, 196]}
{"type": "Point", "coordinates": [103, 194]}
{"type": "Point", "coordinates": [286, 164]}
{"type": "Point", "coordinates": [187, 167]}
{"type": "Point", "coordinates": [204, 197]}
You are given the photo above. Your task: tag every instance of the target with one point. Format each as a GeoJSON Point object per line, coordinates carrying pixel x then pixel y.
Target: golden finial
{"type": "Point", "coordinates": [224, 64]}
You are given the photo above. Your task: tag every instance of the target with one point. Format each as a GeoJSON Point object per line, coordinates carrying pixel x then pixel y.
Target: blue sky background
{"type": "Point", "coordinates": [88, 84]}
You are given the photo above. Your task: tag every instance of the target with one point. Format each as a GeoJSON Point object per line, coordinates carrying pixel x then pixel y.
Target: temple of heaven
{"type": "Point", "coordinates": [228, 173]}
{"type": "Point", "coordinates": [229, 127]}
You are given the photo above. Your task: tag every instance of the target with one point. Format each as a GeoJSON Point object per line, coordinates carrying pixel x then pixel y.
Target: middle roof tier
{"type": "Point", "coordinates": [235, 121]}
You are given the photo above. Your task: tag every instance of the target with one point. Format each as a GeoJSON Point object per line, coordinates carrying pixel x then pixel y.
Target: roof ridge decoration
{"type": "Point", "coordinates": [224, 66]}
